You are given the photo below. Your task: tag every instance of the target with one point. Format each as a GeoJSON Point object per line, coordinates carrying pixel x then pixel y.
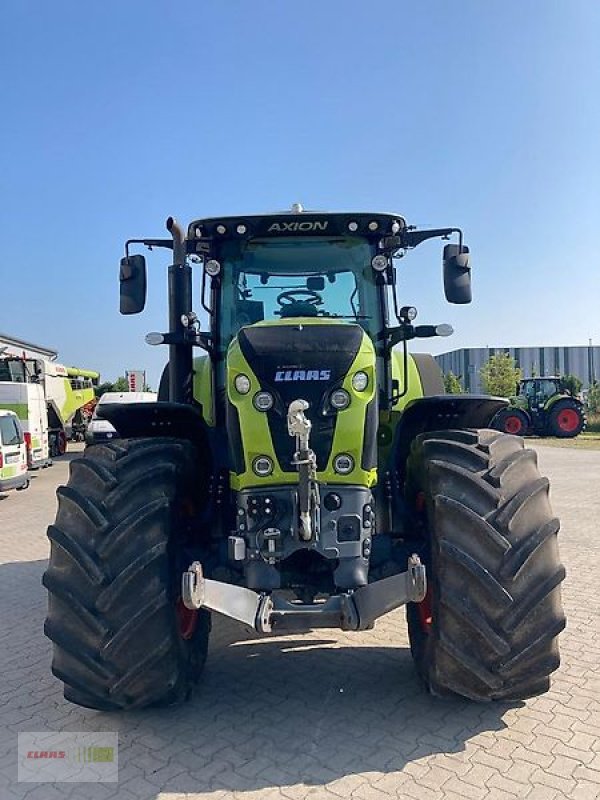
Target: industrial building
{"type": "Point", "coordinates": [582, 361]}
{"type": "Point", "coordinates": [11, 346]}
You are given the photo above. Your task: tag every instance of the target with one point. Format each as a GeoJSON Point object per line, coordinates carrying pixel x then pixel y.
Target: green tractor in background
{"type": "Point", "coordinates": [541, 407]}
{"type": "Point", "coordinates": [303, 471]}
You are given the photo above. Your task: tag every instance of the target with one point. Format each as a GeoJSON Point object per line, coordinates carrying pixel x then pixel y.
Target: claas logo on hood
{"type": "Point", "coordinates": [287, 375]}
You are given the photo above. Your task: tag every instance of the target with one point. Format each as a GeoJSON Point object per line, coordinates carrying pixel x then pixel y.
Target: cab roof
{"type": "Point", "coordinates": [297, 222]}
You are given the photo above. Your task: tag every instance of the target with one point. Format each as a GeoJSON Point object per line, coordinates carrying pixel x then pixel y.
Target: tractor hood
{"type": "Point", "coordinates": [308, 359]}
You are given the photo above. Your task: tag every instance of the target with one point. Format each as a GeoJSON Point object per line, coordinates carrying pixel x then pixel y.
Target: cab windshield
{"type": "Point", "coordinates": [273, 279]}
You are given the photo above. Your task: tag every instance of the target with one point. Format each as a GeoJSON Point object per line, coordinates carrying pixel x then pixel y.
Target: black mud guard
{"type": "Point", "coordinates": [443, 412]}
{"type": "Point", "coordinates": [179, 420]}
{"type": "Point", "coordinates": [430, 375]}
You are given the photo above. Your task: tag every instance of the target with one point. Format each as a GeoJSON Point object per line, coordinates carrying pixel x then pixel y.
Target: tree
{"type": "Point", "coordinates": [571, 384]}
{"type": "Point", "coordinates": [593, 398]}
{"type": "Point", "coordinates": [452, 383]}
{"type": "Point", "coordinates": [499, 375]}
{"type": "Point", "coordinates": [120, 385]}
{"type": "Point", "coordinates": [103, 388]}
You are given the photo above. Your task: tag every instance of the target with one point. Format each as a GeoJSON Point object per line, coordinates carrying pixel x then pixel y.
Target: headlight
{"type": "Point", "coordinates": [262, 466]}
{"type": "Point", "coordinates": [242, 383]}
{"type": "Point", "coordinates": [360, 381]}
{"type": "Point", "coordinates": [339, 399]}
{"type": "Point", "coordinates": [379, 263]}
{"type": "Point", "coordinates": [263, 401]}
{"type": "Point", "coordinates": [343, 463]}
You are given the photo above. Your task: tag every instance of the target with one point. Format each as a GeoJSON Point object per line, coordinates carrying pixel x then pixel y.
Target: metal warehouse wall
{"type": "Point", "coordinates": [545, 361]}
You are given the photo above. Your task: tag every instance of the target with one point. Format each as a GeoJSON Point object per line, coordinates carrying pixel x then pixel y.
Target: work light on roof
{"type": "Point", "coordinates": [353, 226]}
{"type": "Point", "coordinates": [241, 229]}
{"type": "Point", "coordinates": [373, 225]}
{"type": "Point", "coordinates": [221, 229]}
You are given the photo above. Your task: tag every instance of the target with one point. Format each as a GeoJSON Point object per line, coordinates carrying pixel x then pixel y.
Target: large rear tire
{"type": "Point", "coordinates": [121, 636]}
{"type": "Point", "coordinates": [488, 628]}
{"type": "Point", "coordinates": [567, 419]}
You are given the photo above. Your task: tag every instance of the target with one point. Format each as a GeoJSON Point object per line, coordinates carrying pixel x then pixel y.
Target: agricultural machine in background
{"type": "Point", "coordinates": [63, 393]}
{"type": "Point", "coordinates": [304, 471]}
{"type": "Point", "coordinates": [542, 407]}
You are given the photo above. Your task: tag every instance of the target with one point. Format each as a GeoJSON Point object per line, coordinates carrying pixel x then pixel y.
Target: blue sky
{"type": "Point", "coordinates": [484, 115]}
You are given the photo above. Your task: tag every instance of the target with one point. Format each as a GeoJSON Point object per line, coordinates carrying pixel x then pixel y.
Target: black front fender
{"type": "Point", "coordinates": [179, 420]}
{"type": "Point", "coordinates": [444, 412]}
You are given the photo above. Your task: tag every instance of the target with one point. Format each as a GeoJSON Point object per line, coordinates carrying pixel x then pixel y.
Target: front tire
{"type": "Point", "coordinates": [512, 421]}
{"type": "Point", "coordinates": [121, 639]}
{"type": "Point", "coordinates": [488, 628]}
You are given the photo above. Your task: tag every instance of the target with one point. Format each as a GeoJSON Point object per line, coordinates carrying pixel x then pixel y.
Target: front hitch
{"type": "Point", "coordinates": [351, 611]}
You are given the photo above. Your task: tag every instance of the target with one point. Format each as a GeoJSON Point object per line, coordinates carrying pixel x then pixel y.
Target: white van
{"type": "Point", "coordinates": [13, 453]}
{"type": "Point", "coordinates": [99, 430]}
{"type": "Point", "coordinates": [28, 402]}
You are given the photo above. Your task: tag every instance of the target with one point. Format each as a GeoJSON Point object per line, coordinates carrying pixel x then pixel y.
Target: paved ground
{"type": "Point", "coordinates": [329, 715]}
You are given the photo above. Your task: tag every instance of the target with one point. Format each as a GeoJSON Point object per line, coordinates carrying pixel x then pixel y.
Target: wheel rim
{"type": "Point", "coordinates": [513, 424]}
{"type": "Point", "coordinates": [425, 611]}
{"type": "Point", "coordinates": [568, 420]}
{"type": "Point", "coordinates": [187, 620]}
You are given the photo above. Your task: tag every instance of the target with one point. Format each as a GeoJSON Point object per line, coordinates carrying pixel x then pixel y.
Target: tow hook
{"type": "Point", "coordinates": [192, 586]}
{"type": "Point", "coordinates": [417, 579]}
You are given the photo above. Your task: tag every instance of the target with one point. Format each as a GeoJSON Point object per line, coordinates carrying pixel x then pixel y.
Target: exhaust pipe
{"type": "Point", "coordinates": [178, 235]}
{"type": "Point", "coordinates": [180, 304]}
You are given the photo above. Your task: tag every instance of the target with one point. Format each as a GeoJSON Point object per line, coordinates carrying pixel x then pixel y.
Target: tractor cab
{"type": "Point", "coordinates": [537, 391]}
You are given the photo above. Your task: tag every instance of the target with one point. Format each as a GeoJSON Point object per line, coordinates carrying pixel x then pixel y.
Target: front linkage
{"type": "Point", "coordinates": [350, 611]}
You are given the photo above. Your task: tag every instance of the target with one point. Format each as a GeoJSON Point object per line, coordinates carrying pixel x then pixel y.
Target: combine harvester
{"type": "Point", "coordinates": [48, 398]}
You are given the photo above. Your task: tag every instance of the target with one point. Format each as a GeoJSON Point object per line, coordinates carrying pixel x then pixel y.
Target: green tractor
{"type": "Point", "coordinates": [541, 407]}
{"type": "Point", "coordinates": [303, 471]}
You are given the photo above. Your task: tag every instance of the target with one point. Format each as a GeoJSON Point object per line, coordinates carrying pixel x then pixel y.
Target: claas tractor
{"type": "Point", "coordinates": [541, 406]}
{"type": "Point", "coordinates": [302, 471]}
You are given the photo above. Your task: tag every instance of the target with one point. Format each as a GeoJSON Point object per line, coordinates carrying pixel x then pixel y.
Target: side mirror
{"type": "Point", "coordinates": [132, 281]}
{"type": "Point", "coordinates": [457, 274]}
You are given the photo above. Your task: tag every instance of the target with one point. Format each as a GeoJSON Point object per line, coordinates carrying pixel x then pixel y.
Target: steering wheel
{"type": "Point", "coordinates": [299, 296]}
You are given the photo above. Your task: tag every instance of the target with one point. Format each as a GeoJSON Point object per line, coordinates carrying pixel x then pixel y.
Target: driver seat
{"type": "Point", "coordinates": [300, 308]}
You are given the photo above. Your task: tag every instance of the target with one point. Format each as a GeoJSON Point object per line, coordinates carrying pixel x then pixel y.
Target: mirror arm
{"type": "Point", "coordinates": [403, 333]}
{"type": "Point", "coordinates": [149, 243]}
{"type": "Point", "coordinates": [396, 393]}
{"type": "Point", "coordinates": [190, 337]}
{"type": "Point", "coordinates": [414, 238]}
